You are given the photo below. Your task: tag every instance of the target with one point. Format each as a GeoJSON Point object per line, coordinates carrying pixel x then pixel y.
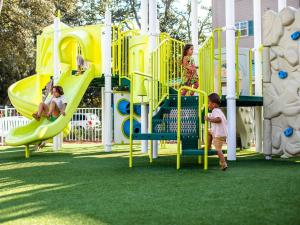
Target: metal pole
{"type": "Point", "coordinates": [107, 88]}
{"type": "Point", "coordinates": [102, 116]}
{"type": "Point", "coordinates": [57, 140]}
{"type": "Point", "coordinates": [231, 95]}
{"type": "Point", "coordinates": [144, 114]}
{"type": "Point", "coordinates": [258, 72]}
{"type": "Point", "coordinates": [144, 16]}
{"type": "Point", "coordinates": [194, 5]}
{"type": "Point", "coordinates": [153, 24]}
{"type": "Point", "coordinates": [281, 4]}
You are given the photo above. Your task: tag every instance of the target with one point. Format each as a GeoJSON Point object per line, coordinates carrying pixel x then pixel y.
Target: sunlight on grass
{"type": "Point", "coordinates": [82, 184]}
{"type": "Point", "coordinates": [29, 165]}
{"type": "Point", "coordinates": [27, 190]}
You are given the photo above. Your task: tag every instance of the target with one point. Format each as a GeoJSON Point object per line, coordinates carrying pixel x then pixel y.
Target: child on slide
{"type": "Point", "coordinates": [218, 133]}
{"type": "Point", "coordinates": [47, 97]}
{"type": "Point", "coordinates": [188, 63]}
{"type": "Point", "coordinates": [56, 108]}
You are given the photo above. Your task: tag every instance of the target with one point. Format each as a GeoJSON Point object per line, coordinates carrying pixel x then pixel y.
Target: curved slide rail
{"type": "Point", "coordinates": [26, 94]}
{"type": "Point", "coordinates": [35, 131]}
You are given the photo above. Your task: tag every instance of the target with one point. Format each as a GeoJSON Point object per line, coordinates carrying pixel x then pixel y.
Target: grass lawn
{"type": "Point", "coordinates": [83, 185]}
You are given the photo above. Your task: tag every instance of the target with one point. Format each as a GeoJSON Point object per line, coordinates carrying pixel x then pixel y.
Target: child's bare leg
{"type": "Point", "coordinates": [43, 108]}
{"type": "Point", "coordinates": [53, 110]}
{"type": "Point", "coordinates": [210, 138]}
{"type": "Point", "coordinates": [218, 145]}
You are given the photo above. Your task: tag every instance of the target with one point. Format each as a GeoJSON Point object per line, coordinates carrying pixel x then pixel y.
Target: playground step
{"type": "Point", "coordinates": [244, 101]}
{"type": "Point", "coordinates": [189, 152]}
{"type": "Point", "coordinates": [155, 136]}
{"type": "Point", "coordinates": [165, 136]}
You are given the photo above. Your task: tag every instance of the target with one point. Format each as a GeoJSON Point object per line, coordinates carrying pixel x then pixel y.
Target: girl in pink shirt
{"type": "Point", "coordinates": [218, 133]}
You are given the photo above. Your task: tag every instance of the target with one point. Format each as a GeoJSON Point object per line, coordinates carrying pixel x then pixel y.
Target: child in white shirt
{"type": "Point", "coordinates": [54, 107]}
{"type": "Point", "coordinates": [58, 104]}
{"type": "Point", "coordinates": [218, 132]}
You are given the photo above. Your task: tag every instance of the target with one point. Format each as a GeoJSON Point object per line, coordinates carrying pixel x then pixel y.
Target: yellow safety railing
{"type": "Point", "coordinates": [250, 71]}
{"type": "Point", "coordinates": [166, 68]}
{"type": "Point", "coordinates": [203, 105]}
{"type": "Point", "coordinates": [210, 63]}
{"type": "Point", "coordinates": [237, 72]}
{"type": "Point", "coordinates": [149, 79]}
{"type": "Point", "coordinates": [120, 48]}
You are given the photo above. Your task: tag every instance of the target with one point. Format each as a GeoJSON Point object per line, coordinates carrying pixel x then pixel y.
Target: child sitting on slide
{"type": "Point", "coordinates": [218, 133]}
{"type": "Point", "coordinates": [188, 64]}
{"type": "Point", "coordinates": [47, 97]}
{"type": "Point", "coordinates": [56, 108]}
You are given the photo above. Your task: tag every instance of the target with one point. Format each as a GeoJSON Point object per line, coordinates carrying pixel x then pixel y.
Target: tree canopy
{"type": "Point", "coordinates": [22, 21]}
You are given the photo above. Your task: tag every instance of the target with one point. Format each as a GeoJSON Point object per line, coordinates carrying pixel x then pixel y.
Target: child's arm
{"type": "Point", "coordinates": [186, 65]}
{"type": "Point", "coordinates": [213, 119]}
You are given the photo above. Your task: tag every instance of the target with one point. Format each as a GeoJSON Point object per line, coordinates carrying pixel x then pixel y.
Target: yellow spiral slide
{"type": "Point", "coordinates": [25, 94]}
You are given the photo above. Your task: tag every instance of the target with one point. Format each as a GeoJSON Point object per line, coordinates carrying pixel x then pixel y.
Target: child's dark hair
{"type": "Point", "coordinates": [185, 49]}
{"type": "Point", "coordinates": [59, 89]}
{"type": "Point", "coordinates": [214, 98]}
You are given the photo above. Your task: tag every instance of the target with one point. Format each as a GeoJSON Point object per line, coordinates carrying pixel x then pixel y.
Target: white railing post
{"type": "Point", "coordinates": [281, 4]}
{"type": "Point", "coordinates": [194, 5]}
{"type": "Point", "coordinates": [153, 24]}
{"type": "Point", "coordinates": [6, 111]}
{"type": "Point", "coordinates": [107, 75]}
{"type": "Point", "coordinates": [258, 72]}
{"type": "Point", "coordinates": [57, 140]}
{"type": "Point", "coordinates": [144, 113]}
{"type": "Point", "coordinates": [231, 95]}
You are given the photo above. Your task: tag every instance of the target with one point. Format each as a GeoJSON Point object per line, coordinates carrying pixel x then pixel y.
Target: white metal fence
{"type": "Point", "coordinates": [85, 125]}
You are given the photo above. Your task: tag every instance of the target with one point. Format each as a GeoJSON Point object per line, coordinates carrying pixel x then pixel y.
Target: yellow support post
{"type": "Point", "coordinates": [206, 133]}
{"type": "Point", "coordinates": [149, 78]}
{"type": "Point", "coordinates": [219, 63]}
{"type": "Point", "coordinates": [27, 151]}
{"type": "Point", "coordinates": [131, 125]}
{"type": "Point", "coordinates": [178, 128]}
{"type": "Point", "coordinates": [250, 71]}
{"type": "Point", "coordinates": [237, 64]}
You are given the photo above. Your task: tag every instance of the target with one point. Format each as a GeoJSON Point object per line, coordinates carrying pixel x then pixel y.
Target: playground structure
{"type": "Point", "coordinates": [281, 82]}
{"type": "Point", "coordinates": [145, 66]}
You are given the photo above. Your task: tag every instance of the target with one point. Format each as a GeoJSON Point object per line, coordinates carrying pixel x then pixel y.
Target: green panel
{"type": "Point", "coordinates": [153, 136]}
{"type": "Point", "coordinates": [245, 101]}
{"type": "Point", "coordinates": [191, 152]}
{"type": "Point", "coordinates": [250, 28]}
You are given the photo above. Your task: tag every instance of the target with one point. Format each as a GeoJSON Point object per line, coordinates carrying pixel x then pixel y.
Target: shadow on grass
{"type": "Point", "coordinates": [83, 184]}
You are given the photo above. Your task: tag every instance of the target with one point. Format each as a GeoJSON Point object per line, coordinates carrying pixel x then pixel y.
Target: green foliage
{"type": "Point", "coordinates": [22, 21]}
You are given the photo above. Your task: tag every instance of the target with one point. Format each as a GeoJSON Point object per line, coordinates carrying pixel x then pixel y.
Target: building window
{"type": "Point", "coordinates": [243, 27]}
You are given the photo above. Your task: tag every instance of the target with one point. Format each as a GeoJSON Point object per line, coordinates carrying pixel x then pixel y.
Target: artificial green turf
{"type": "Point", "coordinates": [83, 185]}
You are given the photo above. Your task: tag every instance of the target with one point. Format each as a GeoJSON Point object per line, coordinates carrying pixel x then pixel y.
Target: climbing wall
{"type": "Point", "coordinates": [281, 70]}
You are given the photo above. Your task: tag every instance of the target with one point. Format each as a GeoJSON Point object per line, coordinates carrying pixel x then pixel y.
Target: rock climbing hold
{"type": "Point", "coordinates": [295, 36]}
{"type": "Point", "coordinates": [288, 132]}
{"type": "Point", "coordinates": [282, 74]}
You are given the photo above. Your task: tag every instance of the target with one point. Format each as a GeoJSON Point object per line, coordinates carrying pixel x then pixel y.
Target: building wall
{"type": "Point", "coordinates": [243, 12]}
